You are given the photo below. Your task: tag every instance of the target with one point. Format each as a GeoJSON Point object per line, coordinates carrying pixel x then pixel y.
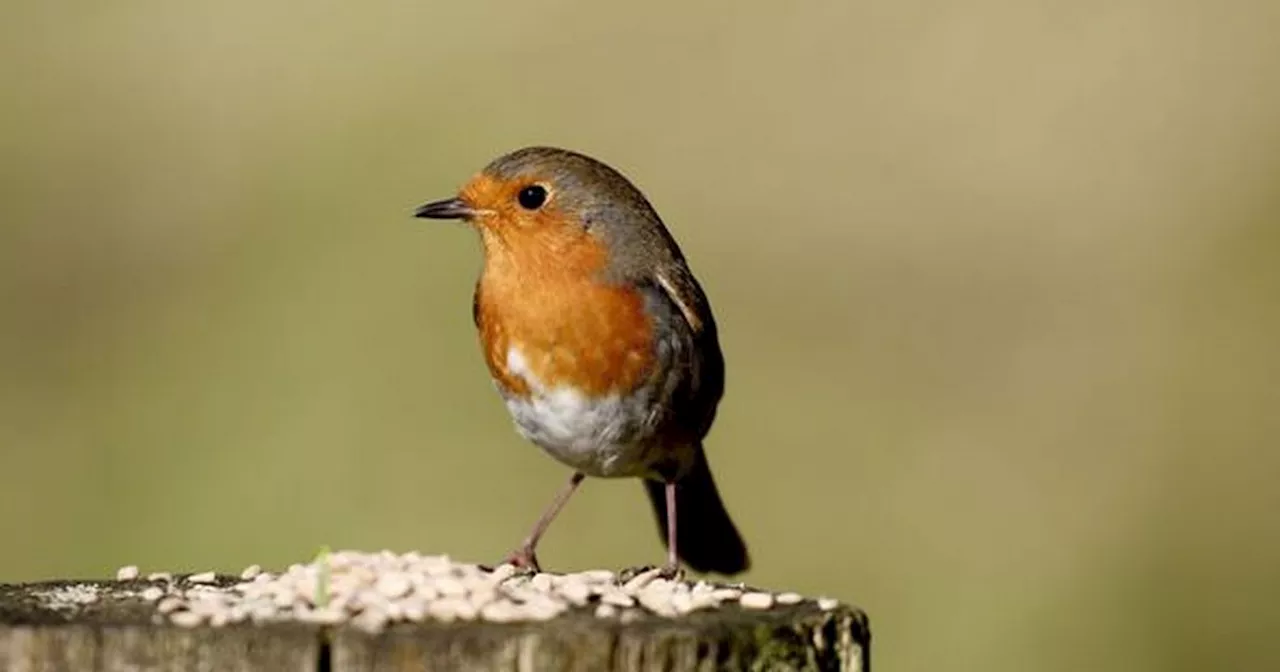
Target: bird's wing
{"type": "Point", "coordinates": [697, 350]}
{"type": "Point", "coordinates": [685, 293]}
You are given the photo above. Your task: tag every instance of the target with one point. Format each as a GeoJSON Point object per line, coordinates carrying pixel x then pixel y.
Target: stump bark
{"type": "Point", "coordinates": [106, 625]}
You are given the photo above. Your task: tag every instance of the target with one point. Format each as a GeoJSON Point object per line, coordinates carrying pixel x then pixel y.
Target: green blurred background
{"type": "Point", "coordinates": [997, 284]}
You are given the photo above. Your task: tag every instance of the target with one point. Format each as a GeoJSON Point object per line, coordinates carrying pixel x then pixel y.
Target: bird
{"type": "Point", "coordinates": [600, 341]}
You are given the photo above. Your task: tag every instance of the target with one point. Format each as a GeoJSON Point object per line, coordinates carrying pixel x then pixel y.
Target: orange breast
{"type": "Point", "coordinates": [538, 294]}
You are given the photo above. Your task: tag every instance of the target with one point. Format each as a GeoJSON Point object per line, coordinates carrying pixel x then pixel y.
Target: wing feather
{"type": "Point", "coordinates": [685, 295]}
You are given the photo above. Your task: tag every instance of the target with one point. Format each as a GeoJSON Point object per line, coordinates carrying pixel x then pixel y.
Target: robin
{"type": "Point", "coordinates": [600, 341]}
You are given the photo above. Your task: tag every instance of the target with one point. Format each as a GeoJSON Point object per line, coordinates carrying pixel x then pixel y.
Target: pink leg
{"type": "Point", "coordinates": [673, 558]}
{"type": "Point", "coordinates": [526, 555]}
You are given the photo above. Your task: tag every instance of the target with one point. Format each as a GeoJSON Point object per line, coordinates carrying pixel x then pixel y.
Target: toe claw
{"type": "Point", "coordinates": [525, 559]}
{"type": "Point", "coordinates": [628, 573]}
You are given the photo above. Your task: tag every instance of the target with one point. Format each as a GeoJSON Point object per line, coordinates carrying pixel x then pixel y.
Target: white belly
{"type": "Point", "coordinates": [603, 437]}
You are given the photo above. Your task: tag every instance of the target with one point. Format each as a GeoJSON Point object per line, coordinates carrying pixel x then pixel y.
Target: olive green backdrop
{"type": "Point", "coordinates": [997, 284]}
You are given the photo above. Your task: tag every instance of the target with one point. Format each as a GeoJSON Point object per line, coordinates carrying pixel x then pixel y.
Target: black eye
{"type": "Point", "coordinates": [532, 197]}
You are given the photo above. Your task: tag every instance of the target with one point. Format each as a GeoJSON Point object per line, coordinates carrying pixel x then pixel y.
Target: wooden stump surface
{"type": "Point", "coordinates": [57, 626]}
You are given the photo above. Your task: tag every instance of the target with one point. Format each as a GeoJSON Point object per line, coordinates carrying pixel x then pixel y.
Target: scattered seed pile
{"type": "Point", "coordinates": [374, 590]}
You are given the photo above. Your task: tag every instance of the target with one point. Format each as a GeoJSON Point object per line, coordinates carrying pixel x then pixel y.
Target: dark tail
{"type": "Point", "coordinates": [706, 538]}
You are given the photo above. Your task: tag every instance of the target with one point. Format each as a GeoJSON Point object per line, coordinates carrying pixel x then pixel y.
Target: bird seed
{"type": "Point", "coordinates": [371, 591]}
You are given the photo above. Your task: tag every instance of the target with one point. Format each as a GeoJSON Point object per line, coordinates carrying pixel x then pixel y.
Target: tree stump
{"type": "Point", "coordinates": [117, 625]}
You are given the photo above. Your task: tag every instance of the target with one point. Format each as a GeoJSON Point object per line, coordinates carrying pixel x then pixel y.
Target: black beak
{"type": "Point", "coordinates": [453, 208]}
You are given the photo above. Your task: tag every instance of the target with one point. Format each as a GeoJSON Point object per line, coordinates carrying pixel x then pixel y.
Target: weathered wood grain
{"type": "Point", "coordinates": [52, 626]}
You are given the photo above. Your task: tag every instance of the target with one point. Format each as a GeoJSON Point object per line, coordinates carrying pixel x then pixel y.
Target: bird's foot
{"type": "Point", "coordinates": [666, 571]}
{"type": "Point", "coordinates": [671, 572]}
{"type": "Point", "coordinates": [525, 559]}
